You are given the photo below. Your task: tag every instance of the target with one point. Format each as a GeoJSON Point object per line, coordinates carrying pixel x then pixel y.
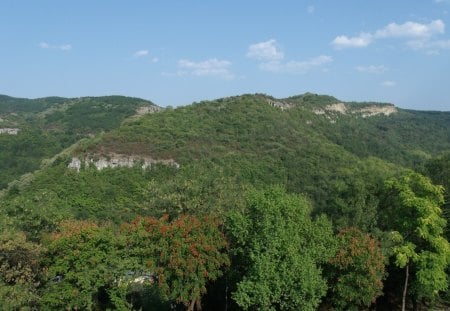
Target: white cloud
{"type": "Point", "coordinates": [140, 53]}
{"type": "Point", "coordinates": [296, 66]}
{"type": "Point", "coordinates": [429, 44]}
{"type": "Point", "coordinates": [212, 67]}
{"type": "Point", "coordinates": [442, 44]}
{"type": "Point", "coordinates": [63, 47]}
{"type": "Point", "coordinates": [373, 69]}
{"type": "Point", "coordinates": [310, 9]}
{"type": "Point", "coordinates": [411, 30]}
{"type": "Point", "coordinates": [389, 83]}
{"type": "Point", "coordinates": [266, 51]}
{"type": "Point", "coordinates": [155, 59]}
{"type": "Point", "coordinates": [363, 40]}
{"type": "Point", "coordinates": [271, 59]}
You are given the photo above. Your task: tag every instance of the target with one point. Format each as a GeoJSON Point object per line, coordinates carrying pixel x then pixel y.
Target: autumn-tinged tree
{"type": "Point", "coordinates": [356, 271]}
{"type": "Point", "coordinates": [84, 262]}
{"type": "Point", "coordinates": [280, 249]}
{"type": "Point", "coordinates": [185, 254]}
{"type": "Point", "coordinates": [20, 272]}
{"type": "Point", "coordinates": [411, 213]}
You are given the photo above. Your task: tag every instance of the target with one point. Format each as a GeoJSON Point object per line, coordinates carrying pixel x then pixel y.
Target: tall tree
{"type": "Point", "coordinates": [438, 169]}
{"type": "Point", "coordinates": [356, 271]}
{"type": "Point", "coordinates": [84, 264]}
{"type": "Point", "coordinates": [411, 212]}
{"type": "Point", "coordinates": [185, 254]}
{"type": "Point", "coordinates": [20, 272]}
{"type": "Point", "coordinates": [281, 249]}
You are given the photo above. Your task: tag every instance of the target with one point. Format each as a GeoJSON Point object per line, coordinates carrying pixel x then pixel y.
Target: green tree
{"type": "Point", "coordinates": [20, 273]}
{"type": "Point", "coordinates": [280, 249]}
{"type": "Point", "coordinates": [411, 212]}
{"type": "Point", "coordinates": [356, 271]}
{"type": "Point", "coordinates": [84, 263]}
{"type": "Point", "coordinates": [438, 169]}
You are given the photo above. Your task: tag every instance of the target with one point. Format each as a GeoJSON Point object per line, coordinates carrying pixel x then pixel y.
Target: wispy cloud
{"type": "Point", "coordinates": [360, 41]}
{"type": "Point", "coordinates": [272, 59]}
{"type": "Point", "coordinates": [265, 51]}
{"type": "Point", "coordinates": [372, 69]}
{"type": "Point", "coordinates": [63, 47]}
{"type": "Point", "coordinates": [409, 30]}
{"type": "Point", "coordinates": [145, 54]}
{"type": "Point", "coordinates": [212, 67]}
{"type": "Point", "coordinates": [310, 9]}
{"type": "Point", "coordinates": [388, 83]}
{"type": "Point", "coordinates": [140, 53]}
{"type": "Point", "coordinates": [429, 45]}
{"type": "Point", "coordinates": [296, 66]}
{"type": "Point", "coordinates": [44, 45]}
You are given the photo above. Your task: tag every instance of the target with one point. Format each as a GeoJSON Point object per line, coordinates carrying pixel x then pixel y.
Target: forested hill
{"type": "Point", "coordinates": [402, 137]}
{"type": "Point", "coordinates": [201, 153]}
{"type": "Point", "coordinates": [406, 137]}
{"type": "Point", "coordinates": [34, 129]}
{"type": "Point", "coordinates": [268, 188]}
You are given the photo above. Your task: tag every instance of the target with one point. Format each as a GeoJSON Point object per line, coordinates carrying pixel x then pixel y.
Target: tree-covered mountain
{"type": "Point", "coordinates": [334, 152]}
{"type": "Point", "coordinates": [216, 160]}
{"type": "Point", "coordinates": [34, 129]}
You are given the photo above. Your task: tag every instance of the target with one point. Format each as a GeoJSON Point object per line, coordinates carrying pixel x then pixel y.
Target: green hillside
{"type": "Point", "coordinates": [335, 159]}
{"type": "Point", "coordinates": [254, 185]}
{"type": "Point", "coordinates": [46, 126]}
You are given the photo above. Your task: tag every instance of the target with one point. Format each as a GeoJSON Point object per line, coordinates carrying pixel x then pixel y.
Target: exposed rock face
{"type": "Point", "coordinates": [75, 164]}
{"type": "Point", "coordinates": [279, 104]}
{"type": "Point", "coordinates": [339, 107]}
{"type": "Point", "coordinates": [147, 109]}
{"type": "Point", "coordinates": [119, 160]}
{"type": "Point", "coordinates": [374, 110]}
{"type": "Point", "coordinates": [367, 111]}
{"type": "Point", "coordinates": [10, 131]}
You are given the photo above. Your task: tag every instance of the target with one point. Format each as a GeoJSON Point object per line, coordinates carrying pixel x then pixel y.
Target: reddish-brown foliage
{"type": "Point", "coordinates": [190, 252]}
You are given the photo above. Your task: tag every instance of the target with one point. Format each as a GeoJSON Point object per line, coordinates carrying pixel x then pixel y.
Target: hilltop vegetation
{"type": "Point", "coordinates": [48, 125]}
{"type": "Point", "coordinates": [254, 170]}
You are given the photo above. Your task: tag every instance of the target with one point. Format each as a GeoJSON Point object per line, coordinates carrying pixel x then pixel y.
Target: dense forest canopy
{"type": "Point", "coordinates": [246, 202]}
{"type": "Point", "coordinates": [46, 126]}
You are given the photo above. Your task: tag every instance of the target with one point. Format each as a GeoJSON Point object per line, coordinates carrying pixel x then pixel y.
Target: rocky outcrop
{"type": "Point", "coordinates": [374, 110]}
{"type": "Point", "coordinates": [279, 104]}
{"type": "Point", "coordinates": [10, 131]}
{"type": "Point", "coordinates": [75, 164]}
{"type": "Point", "coordinates": [118, 160]}
{"type": "Point", "coordinates": [366, 111]}
{"type": "Point", "coordinates": [147, 109]}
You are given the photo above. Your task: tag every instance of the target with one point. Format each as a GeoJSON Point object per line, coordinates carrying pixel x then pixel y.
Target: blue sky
{"type": "Point", "coordinates": [177, 52]}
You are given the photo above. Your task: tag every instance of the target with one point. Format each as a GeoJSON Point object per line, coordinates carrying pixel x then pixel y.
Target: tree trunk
{"type": "Point", "coordinates": [198, 304]}
{"type": "Point", "coordinates": [226, 295]}
{"type": "Point", "coordinates": [405, 288]}
{"type": "Point", "coordinates": [191, 305]}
